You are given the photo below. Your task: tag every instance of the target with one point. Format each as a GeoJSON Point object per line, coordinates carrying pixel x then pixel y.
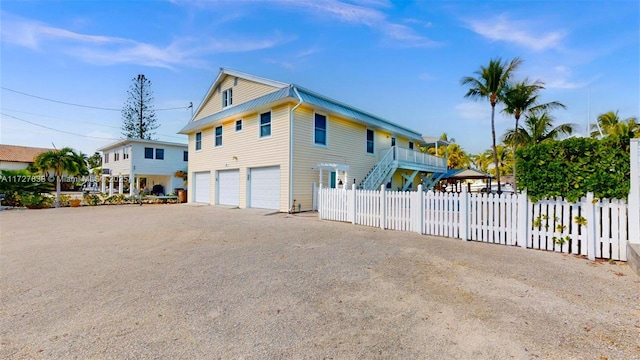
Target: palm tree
{"type": "Point", "coordinates": [65, 160]}
{"type": "Point", "coordinates": [457, 158]}
{"type": "Point", "coordinates": [538, 127]}
{"type": "Point", "coordinates": [489, 84]}
{"type": "Point", "coordinates": [610, 124]}
{"type": "Point", "coordinates": [518, 99]}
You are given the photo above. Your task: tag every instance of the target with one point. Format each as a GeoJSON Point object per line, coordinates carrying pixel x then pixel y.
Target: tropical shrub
{"type": "Point", "coordinates": [570, 168]}
{"type": "Point", "coordinates": [92, 199]}
{"type": "Point", "coordinates": [36, 201]}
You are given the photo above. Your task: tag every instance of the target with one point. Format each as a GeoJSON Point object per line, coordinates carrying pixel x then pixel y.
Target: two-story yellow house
{"type": "Point", "coordinates": [255, 142]}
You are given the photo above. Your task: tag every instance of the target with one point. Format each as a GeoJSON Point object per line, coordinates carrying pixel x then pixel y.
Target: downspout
{"type": "Point", "coordinates": [291, 145]}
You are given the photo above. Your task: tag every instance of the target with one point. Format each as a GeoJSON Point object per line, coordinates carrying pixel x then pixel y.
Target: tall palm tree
{"type": "Point", "coordinates": [65, 160]}
{"type": "Point", "coordinates": [538, 127]}
{"type": "Point", "coordinates": [611, 124]}
{"type": "Point", "coordinates": [519, 98]}
{"type": "Point", "coordinates": [489, 84]}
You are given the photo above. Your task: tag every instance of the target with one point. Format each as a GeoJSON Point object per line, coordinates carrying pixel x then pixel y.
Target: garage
{"type": "Point", "coordinates": [265, 188]}
{"type": "Point", "coordinates": [228, 187]}
{"type": "Point", "coordinates": [202, 187]}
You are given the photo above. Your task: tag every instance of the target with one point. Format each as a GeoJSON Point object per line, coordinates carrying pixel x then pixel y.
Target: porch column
{"type": "Point", "coordinates": [110, 185]}
{"type": "Point", "coordinates": [120, 184]}
{"type": "Point", "coordinates": [131, 183]}
{"type": "Point", "coordinates": [320, 182]}
{"type": "Point", "coordinates": [103, 184]}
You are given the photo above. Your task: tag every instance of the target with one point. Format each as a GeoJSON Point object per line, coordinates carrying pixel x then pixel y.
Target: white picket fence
{"type": "Point", "coordinates": [596, 229]}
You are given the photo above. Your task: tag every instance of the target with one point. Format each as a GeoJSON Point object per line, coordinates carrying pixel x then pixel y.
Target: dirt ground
{"type": "Point", "coordinates": [188, 282]}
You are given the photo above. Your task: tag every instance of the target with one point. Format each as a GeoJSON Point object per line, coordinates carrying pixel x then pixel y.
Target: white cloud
{"type": "Point", "coordinates": [395, 34]}
{"type": "Point", "coordinates": [561, 78]}
{"type": "Point", "coordinates": [479, 112]}
{"type": "Point", "coordinates": [106, 50]}
{"type": "Point", "coordinates": [519, 32]}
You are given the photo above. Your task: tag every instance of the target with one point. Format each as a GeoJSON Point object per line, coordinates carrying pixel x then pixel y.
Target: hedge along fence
{"type": "Point", "coordinates": [589, 227]}
{"type": "Point", "coordinates": [573, 167]}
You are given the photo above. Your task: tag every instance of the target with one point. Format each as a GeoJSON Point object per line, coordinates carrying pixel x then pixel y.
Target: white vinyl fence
{"type": "Point", "coordinates": [594, 228]}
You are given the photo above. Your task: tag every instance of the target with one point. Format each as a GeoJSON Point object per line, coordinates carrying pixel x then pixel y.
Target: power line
{"type": "Point", "coordinates": [62, 131]}
{"type": "Point", "coordinates": [86, 122]}
{"type": "Point", "coordinates": [85, 106]}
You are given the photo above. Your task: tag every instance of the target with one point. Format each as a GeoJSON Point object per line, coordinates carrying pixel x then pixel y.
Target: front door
{"type": "Point", "coordinates": [332, 180]}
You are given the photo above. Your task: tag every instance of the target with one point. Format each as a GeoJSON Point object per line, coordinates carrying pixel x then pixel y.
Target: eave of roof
{"type": "Point", "coordinates": [21, 154]}
{"type": "Point", "coordinates": [140, 141]}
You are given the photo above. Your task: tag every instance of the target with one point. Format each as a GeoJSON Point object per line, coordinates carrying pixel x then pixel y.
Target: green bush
{"type": "Point", "coordinates": [92, 199]}
{"type": "Point", "coordinates": [64, 200]}
{"type": "Point", "coordinates": [36, 201]}
{"type": "Point", "coordinates": [116, 199]}
{"type": "Point", "coordinates": [570, 168]}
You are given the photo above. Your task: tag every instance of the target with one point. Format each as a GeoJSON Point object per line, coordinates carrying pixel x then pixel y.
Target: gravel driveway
{"type": "Point", "coordinates": [187, 282]}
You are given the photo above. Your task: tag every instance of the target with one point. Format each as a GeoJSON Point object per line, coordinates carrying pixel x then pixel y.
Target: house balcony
{"type": "Point", "coordinates": [410, 159]}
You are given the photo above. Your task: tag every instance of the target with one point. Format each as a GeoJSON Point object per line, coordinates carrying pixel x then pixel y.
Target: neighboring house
{"type": "Point", "coordinates": [132, 164]}
{"type": "Point", "coordinates": [14, 157]}
{"type": "Point", "coordinates": [255, 142]}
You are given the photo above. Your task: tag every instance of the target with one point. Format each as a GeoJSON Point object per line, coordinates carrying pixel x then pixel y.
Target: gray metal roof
{"type": "Point", "coordinates": [308, 97]}
{"type": "Point", "coordinates": [237, 109]}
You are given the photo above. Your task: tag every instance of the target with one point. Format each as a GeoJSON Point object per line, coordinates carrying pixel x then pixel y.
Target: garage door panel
{"type": "Point", "coordinates": [202, 187]}
{"type": "Point", "coordinates": [265, 188]}
{"type": "Point", "coordinates": [229, 187]}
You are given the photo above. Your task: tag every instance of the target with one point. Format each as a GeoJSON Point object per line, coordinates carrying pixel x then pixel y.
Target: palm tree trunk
{"type": "Point", "coordinates": [495, 154]}
{"type": "Point", "coordinates": [58, 188]}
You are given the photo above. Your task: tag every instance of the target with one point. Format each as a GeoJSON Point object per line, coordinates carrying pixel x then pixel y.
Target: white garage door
{"type": "Point", "coordinates": [229, 187]}
{"type": "Point", "coordinates": [202, 187]}
{"type": "Point", "coordinates": [265, 188]}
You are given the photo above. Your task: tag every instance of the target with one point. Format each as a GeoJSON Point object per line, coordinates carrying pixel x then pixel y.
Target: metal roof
{"type": "Point", "coordinates": [237, 109]}
{"type": "Point", "coordinates": [141, 141]}
{"type": "Point", "coordinates": [309, 97]}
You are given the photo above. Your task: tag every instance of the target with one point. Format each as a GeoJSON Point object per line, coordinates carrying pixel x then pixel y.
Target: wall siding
{"type": "Point", "coordinates": [244, 91]}
{"type": "Point", "coordinates": [346, 144]}
{"type": "Point", "coordinates": [244, 150]}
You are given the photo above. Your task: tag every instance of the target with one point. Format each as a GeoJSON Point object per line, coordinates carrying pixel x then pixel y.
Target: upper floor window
{"type": "Point", "coordinates": [410, 145]}
{"type": "Point", "coordinates": [148, 153]}
{"type": "Point", "coordinates": [116, 156]}
{"type": "Point", "coordinates": [320, 133]}
{"type": "Point", "coordinates": [370, 144]}
{"type": "Point", "coordinates": [106, 158]}
{"type": "Point", "coordinates": [198, 141]}
{"type": "Point", "coordinates": [227, 97]}
{"type": "Point", "coordinates": [125, 153]}
{"type": "Point", "coordinates": [185, 156]}
{"type": "Point", "coordinates": [218, 140]}
{"type": "Point", "coordinates": [265, 124]}
{"type": "Point", "coordinates": [393, 141]}
{"type": "Point", "coordinates": [159, 154]}
{"type": "Point", "coordinates": [238, 125]}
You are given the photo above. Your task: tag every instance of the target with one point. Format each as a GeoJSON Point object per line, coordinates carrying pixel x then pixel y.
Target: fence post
{"type": "Point", "coordinates": [522, 224]}
{"type": "Point", "coordinates": [319, 201]}
{"type": "Point", "coordinates": [354, 201]}
{"type": "Point", "coordinates": [634, 193]}
{"type": "Point", "coordinates": [590, 227]}
{"type": "Point", "coordinates": [383, 208]}
{"type": "Point", "coordinates": [464, 214]}
{"type": "Point", "coordinates": [418, 219]}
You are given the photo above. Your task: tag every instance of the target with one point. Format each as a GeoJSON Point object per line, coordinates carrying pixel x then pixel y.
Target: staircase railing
{"type": "Point", "coordinates": [380, 171]}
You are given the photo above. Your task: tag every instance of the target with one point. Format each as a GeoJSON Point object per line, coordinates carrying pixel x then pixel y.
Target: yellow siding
{"type": "Point", "coordinates": [244, 91]}
{"type": "Point", "coordinates": [244, 150]}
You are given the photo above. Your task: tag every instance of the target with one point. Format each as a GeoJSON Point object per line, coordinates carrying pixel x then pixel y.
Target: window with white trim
{"type": "Point", "coordinates": [148, 153]}
{"type": "Point", "coordinates": [159, 154]}
{"type": "Point", "coordinates": [370, 143]}
{"type": "Point", "coordinates": [320, 130]}
{"type": "Point", "coordinates": [218, 138]}
{"type": "Point", "coordinates": [227, 98]}
{"type": "Point", "coordinates": [265, 124]}
{"type": "Point", "coordinates": [106, 158]}
{"type": "Point", "coordinates": [238, 125]}
{"type": "Point", "coordinates": [410, 145]}
{"type": "Point", "coordinates": [198, 141]}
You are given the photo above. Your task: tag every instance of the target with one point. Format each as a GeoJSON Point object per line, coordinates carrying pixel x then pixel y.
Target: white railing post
{"type": "Point", "coordinates": [634, 193]}
{"type": "Point", "coordinates": [354, 202]}
{"type": "Point", "coordinates": [314, 196]}
{"type": "Point", "coordinates": [383, 207]}
{"type": "Point", "coordinates": [464, 214]}
{"type": "Point", "coordinates": [320, 203]}
{"type": "Point", "coordinates": [522, 216]}
{"type": "Point", "coordinates": [590, 227]}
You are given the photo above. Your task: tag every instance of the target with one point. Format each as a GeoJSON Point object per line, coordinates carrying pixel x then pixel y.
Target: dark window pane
{"type": "Point", "coordinates": [185, 156]}
{"type": "Point", "coordinates": [148, 153]}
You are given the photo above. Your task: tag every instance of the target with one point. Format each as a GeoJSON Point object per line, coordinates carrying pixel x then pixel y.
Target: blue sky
{"type": "Point", "coordinates": [401, 60]}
